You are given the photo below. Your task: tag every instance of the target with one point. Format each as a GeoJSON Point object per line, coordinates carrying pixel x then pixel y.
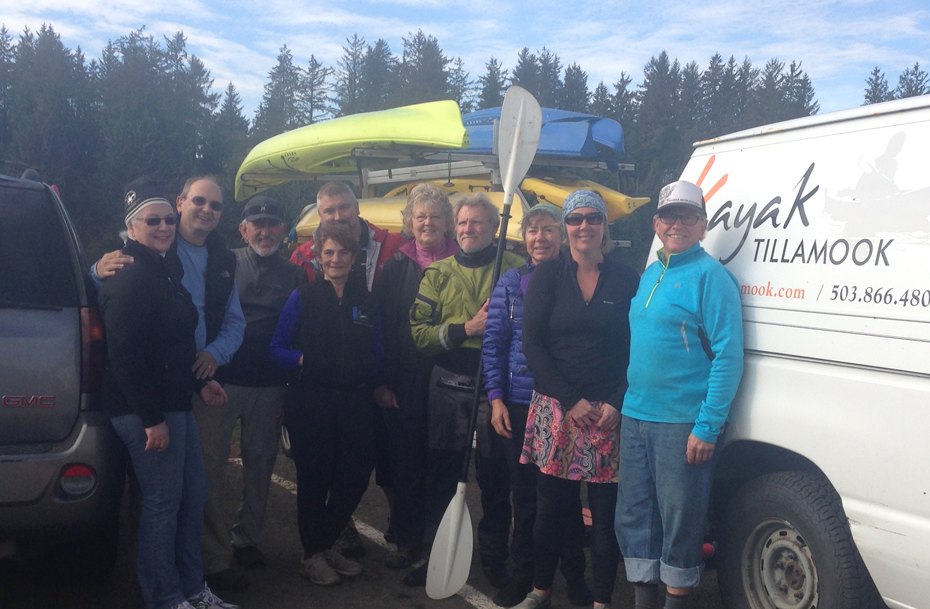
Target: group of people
{"type": "Point", "coordinates": [370, 345]}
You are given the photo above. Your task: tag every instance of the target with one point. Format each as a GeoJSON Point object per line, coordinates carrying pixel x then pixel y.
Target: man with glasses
{"type": "Point", "coordinates": [209, 275]}
{"type": "Point", "coordinates": [686, 360]}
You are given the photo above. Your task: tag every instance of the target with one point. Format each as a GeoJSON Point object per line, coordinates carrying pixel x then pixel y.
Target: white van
{"type": "Point", "coordinates": [825, 222]}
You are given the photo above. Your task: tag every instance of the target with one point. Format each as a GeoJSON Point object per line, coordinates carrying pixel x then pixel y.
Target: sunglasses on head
{"type": "Point", "coordinates": [156, 220]}
{"type": "Point", "coordinates": [687, 218]}
{"type": "Point", "coordinates": [594, 219]}
{"type": "Point", "coordinates": [201, 201]}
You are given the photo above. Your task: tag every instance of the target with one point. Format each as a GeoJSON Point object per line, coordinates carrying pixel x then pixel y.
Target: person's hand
{"type": "Point", "coordinates": [204, 365]}
{"type": "Point", "coordinates": [213, 394]}
{"type": "Point", "coordinates": [475, 325]}
{"type": "Point", "coordinates": [112, 262]}
{"type": "Point", "coordinates": [610, 417]}
{"type": "Point", "coordinates": [385, 398]}
{"type": "Point", "coordinates": [584, 414]}
{"type": "Point", "coordinates": [156, 438]}
{"type": "Point", "coordinates": [698, 450]}
{"type": "Point", "coordinates": [500, 418]}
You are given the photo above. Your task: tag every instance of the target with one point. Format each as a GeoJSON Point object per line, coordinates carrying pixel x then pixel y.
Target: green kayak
{"type": "Point", "coordinates": [327, 147]}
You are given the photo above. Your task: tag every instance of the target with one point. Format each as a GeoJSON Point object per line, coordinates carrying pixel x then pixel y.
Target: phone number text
{"type": "Point", "coordinates": [881, 296]}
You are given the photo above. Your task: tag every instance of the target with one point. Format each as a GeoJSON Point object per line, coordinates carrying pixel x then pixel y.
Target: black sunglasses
{"type": "Point", "coordinates": [201, 201]}
{"type": "Point", "coordinates": [594, 219]}
{"type": "Point", "coordinates": [669, 217]}
{"type": "Point", "coordinates": [156, 220]}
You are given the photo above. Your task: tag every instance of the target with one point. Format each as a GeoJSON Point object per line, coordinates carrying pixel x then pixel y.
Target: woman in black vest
{"type": "Point", "coordinates": [327, 333]}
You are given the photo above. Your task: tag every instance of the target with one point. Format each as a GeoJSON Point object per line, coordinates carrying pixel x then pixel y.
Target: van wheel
{"type": "Point", "coordinates": [786, 544]}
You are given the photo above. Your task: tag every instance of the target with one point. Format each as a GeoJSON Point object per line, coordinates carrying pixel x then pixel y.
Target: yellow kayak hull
{"type": "Point", "coordinates": [326, 147]}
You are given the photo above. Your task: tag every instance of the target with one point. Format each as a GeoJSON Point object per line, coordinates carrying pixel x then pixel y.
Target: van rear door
{"type": "Point", "coordinates": [40, 340]}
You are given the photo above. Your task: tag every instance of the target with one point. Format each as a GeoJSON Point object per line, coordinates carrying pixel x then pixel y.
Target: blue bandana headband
{"type": "Point", "coordinates": [583, 198]}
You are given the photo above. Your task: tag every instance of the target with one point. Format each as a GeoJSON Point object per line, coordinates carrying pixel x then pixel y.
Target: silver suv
{"type": "Point", "coordinates": [61, 465]}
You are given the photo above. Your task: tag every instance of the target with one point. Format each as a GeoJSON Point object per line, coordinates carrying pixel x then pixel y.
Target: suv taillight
{"type": "Point", "coordinates": [93, 351]}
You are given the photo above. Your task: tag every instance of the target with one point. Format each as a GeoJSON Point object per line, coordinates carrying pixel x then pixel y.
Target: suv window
{"type": "Point", "coordinates": [34, 247]}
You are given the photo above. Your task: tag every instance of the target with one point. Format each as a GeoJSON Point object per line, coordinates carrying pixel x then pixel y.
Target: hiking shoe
{"type": "Point", "coordinates": [341, 564]}
{"type": "Point", "coordinates": [514, 592]}
{"type": "Point", "coordinates": [250, 557]}
{"type": "Point", "coordinates": [349, 543]}
{"type": "Point", "coordinates": [498, 573]}
{"type": "Point", "coordinates": [317, 570]}
{"type": "Point", "coordinates": [401, 558]}
{"type": "Point", "coordinates": [205, 599]}
{"type": "Point", "coordinates": [227, 580]}
{"type": "Point", "coordinates": [535, 600]}
{"type": "Point", "coordinates": [417, 577]}
{"type": "Point", "coordinates": [580, 594]}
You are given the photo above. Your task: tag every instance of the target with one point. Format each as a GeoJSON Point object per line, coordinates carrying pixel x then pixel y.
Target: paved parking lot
{"type": "Point", "coordinates": [42, 583]}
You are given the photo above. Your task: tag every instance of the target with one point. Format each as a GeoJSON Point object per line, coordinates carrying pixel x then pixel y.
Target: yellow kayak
{"type": "Point", "coordinates": [548, 191]}
{"type": "Point", "coordinates": [326, 147]}
{"type": "Point", "coordinates": [385, 212]}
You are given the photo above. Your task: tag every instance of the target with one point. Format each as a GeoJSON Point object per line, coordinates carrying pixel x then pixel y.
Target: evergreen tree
{"type": "Point", "coordinates": [526, 72]}
{"type": "Point", "coordinates": [550, 83]}
{"type": "Point", "coordinates": [423, 73]}
{"type": "Point", "coordinates": [692, 105]}
{"type": "Point", "coordinates": [623, 102]}
{"type": "Point", "coordinates": [228, 139]}
{"type": "Point", "coordinates": [280, 109]}
{"type": "Point", "coordinates": [349, 77]}
{"type": "Point", "coordinates": [7, 63]}
{"type": "Point", "coordinates": [912, 82]}
{"type": "Point", "coordinates": [313, 96]}
{"type": "Point", "coordinates": [378, 75]}
{"type": "Point", "coordinates": [747, 79]}
{"type": "Point", "coordinates": [799, 93]}
{"type": "Point", "coordinates": [877, 90]}
{"type": "Point", "coordinates": [461, 87]}
{"type": "Point", "coordinates": [493, 85]}
{"type": "Point", "coordinates": [601, 101]}
{"type": "Point", "coordinates": [771, 94]}
{"type": "Point", "coordinates": [574, 91]}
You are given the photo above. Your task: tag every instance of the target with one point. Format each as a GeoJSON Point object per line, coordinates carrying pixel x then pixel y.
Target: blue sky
{"type": "Point", "coordinates": [838, 42]}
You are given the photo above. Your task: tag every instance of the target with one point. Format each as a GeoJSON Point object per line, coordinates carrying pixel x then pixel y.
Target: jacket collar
{"type": "Point", "coordinates": [675, 259]}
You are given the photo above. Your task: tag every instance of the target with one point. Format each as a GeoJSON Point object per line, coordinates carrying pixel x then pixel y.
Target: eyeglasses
{"type": "Point", "coordinates": [201, 201]}
{"type": "Point", "coordinates": [669, 217]}
{"type": "Point", "coordinates": [156, 220]}
{"type": "Point", "coordinates": [594, 219]}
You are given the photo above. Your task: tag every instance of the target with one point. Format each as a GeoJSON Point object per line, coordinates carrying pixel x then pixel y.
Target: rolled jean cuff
{"type": "Point", "coordinates": [676, 577]}
{"type": "Point", "coordinates": [642, 570]}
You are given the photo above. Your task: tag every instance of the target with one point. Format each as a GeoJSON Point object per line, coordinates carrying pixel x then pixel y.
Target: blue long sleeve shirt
{"type": "Point", "coordinates": [675, 375]}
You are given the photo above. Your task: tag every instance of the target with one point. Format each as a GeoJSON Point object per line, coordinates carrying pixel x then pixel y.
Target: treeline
{"type": "Point", "coordinates": [148, 106]}
{"type": "Point", "coordinates": [912, 82]}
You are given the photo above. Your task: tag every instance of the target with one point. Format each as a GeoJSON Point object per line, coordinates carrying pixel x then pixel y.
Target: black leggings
{"type": "Point", "coordinates": [332, 441]}
{"type": "Point", "coordinates": [558, 501]}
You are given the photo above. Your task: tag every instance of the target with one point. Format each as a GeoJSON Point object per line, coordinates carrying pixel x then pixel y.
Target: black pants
{"type": "Point", "coordinates": [332, 441]}
{"type": "Point", "coordinates": [407, 431]}
{"type": "Point", "coordinates": [557, 501]}
{"type": "Point", "coordinates": [445, 467]}
{"type": "Point", "coordinates": [523, 489]}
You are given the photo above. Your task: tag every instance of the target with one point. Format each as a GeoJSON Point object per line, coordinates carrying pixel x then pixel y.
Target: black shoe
{"type": "Point", "coordinates": [401, 558]}
{"type": "Point", "coordinates": [349, 543]}
{"type": "Point", "coordinates": [227, 580]}
{"type": "Point", "coordinates": [417, 577]}
{"type": "Point", "coordinates": [513, 593]}
{"type": "Point", "coordinates": [580, 594]}
{"type": "Point", "coordinates": [250, 557]}
{"type": "Point", "coordinates": [498, 573]}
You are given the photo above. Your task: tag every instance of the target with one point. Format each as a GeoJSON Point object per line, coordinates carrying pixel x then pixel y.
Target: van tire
{"type": "Point", "coordinates": [785, 543]}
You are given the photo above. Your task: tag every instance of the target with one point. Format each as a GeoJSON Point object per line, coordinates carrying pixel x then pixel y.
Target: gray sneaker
{"type": "Point", "coordinates": [341, 564]}
{"type": "Point", "coordinates": [535, 600]}
{"type": "Point", "coordinates": [317, 570]}
{"type": "Point", "coordinates": [205, 599]}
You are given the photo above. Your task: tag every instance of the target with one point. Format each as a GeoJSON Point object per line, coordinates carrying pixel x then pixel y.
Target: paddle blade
{"type": "Point", "coordinates": [450, 559]}
{"type": "Point", "coordinates": [518, 136]}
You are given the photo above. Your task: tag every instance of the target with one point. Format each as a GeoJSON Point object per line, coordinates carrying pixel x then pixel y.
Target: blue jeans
{"type": "Point", "coordinates": [174, 490]}
{"type": "Point", "coordinates": [661, 503]}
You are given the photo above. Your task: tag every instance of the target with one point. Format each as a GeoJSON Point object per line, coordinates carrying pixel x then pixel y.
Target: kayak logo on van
{"type": "Point", "coordinates": [31, 401]}
{"type": "Point", "coordinates": [786, 251]}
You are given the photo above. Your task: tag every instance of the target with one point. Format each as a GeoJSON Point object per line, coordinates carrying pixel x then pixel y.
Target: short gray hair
{"type": "Point", "coordinates": [334, 189]}
{"type": "Point", "coordinates": [479, 200]}
{"type": "Point", "coordinates": [428, 195]}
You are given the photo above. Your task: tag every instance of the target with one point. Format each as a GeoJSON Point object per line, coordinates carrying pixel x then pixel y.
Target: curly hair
{"type": "Point", "coordinates": [428, 195]}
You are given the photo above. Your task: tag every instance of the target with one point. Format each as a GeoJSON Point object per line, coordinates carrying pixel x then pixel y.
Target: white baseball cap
{"type": "Point", "coordinates": [683, 194]}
